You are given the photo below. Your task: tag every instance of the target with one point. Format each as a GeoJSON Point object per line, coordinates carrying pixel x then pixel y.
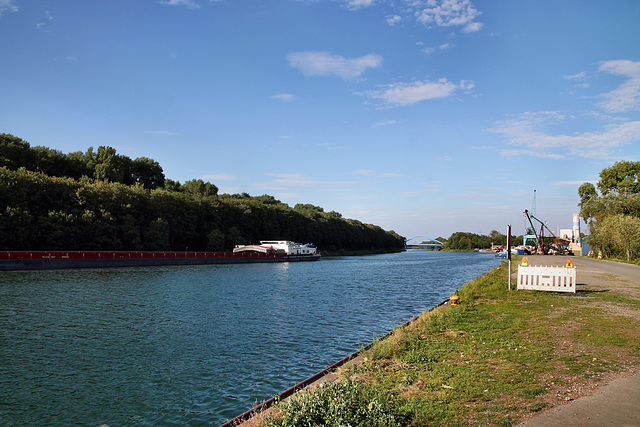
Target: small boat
{"type": "Point", "coordinates": [501, 255]}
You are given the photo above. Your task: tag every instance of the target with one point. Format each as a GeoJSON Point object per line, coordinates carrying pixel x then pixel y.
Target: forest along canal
{"type": "Point", "coordinates": [191, 345]}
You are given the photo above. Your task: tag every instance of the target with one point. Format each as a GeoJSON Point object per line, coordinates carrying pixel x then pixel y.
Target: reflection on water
{"type": "Point", "coordinates": [198, 344]}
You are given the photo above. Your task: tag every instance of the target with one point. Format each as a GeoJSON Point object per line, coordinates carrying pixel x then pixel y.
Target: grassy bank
{"type": "Point", "coordinates": [491, 360]}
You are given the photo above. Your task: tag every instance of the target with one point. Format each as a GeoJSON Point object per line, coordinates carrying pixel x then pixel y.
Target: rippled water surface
{"type": "Point", "coordinates": [198, 345]}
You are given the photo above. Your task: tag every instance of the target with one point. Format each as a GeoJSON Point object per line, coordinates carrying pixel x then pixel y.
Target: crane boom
{"type": "Point", "coordinates": [558, 245]}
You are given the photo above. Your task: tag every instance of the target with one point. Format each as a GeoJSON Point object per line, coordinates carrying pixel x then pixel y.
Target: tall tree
{"type": "Point", "coordinates": [622, 178]}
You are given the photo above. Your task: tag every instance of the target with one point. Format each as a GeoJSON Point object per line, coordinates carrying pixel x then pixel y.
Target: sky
{"type": "Point", "coordinates": [425, 117]}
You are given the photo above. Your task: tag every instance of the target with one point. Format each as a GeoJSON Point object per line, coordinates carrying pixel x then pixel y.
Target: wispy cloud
{"type": "Point", "coordinates": [386, 123]}
{"type": "Point", "coordinates": [402, 94]}
{"type": "Point", "coordinates": [626, 97]}
{"type": "Point", "coordinates": [394, 19]}
{"type": "Point", "coordinates": [191, 4]}
{"type": "Point", "coordinates": [579, 76]}
{"type": "Point", "coordinates": [369, 172]}
{"type": "Point", "coordinates": [358, 4]}
{"type": "Point", "coordinates": [447, 13]}
{"type": "Point", "coordinates": [219, 177]}
{"type": "Point", "coordinates": [326, 64]}
{"type": "Point", "coordinates": [527, 132]}
{"type": "Point", "coordinates": [329, 146]}
{"type": "Point", "coordinates": [44, 22]}
{"type": "Point", "coordinates": [444, 46]}
{"type": "Point", "coordinates": [286, 181]}
{"type": "Point", "coordinates": [472, 27]}
{"type": "Point", "coordinates": [7, 6]}
{"type": "Point", "coordinates": [284, 97]}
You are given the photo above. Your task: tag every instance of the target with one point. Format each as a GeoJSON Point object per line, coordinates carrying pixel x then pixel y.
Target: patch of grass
{"type": "Point", "coordinates": [533, 392]}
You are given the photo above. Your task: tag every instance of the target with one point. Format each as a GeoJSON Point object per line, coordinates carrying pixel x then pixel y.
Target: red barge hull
{"type": "Point", "coordinates": [49, 260]}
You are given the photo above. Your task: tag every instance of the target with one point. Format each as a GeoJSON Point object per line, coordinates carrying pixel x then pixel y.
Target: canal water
{"type": "Point", "coordinates": [198, 345]}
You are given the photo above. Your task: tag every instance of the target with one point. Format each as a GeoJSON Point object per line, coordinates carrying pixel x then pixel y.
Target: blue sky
{"type": "Point", "coordinates": [424, 117]}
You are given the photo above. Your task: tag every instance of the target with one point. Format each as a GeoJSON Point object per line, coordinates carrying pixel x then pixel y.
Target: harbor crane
{"type": "Point", "coordinates": [558, 247]}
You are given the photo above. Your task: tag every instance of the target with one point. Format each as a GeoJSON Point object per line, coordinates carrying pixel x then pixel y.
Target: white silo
{"type": "Point", "coordinates": [576, 228]}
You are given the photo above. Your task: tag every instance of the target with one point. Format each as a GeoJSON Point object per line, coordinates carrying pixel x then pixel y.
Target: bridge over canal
{"type": "Point", "coordinates": [422, 242]}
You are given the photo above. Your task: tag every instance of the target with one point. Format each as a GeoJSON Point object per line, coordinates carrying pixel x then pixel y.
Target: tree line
{"type": "Point", "coordinates": [101, 200]}
{"type": "Point", "coordinates": [470, 241]}
{"type": "Point", "coordinates": [612, 211]}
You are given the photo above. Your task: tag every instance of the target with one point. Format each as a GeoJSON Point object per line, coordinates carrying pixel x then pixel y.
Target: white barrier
{"type": "Point", "coordinates": [538, 278]}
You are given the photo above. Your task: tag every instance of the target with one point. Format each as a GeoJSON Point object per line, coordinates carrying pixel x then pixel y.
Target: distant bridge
{"type": "Point", "coordinates": [420, 242]}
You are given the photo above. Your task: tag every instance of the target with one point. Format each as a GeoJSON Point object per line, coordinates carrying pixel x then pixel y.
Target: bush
{"type": "Point", "coordinates": [343, 403]}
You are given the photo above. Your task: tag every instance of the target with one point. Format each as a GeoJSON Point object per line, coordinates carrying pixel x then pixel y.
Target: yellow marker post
{"type": "Point", "coordinates": [525, 262]}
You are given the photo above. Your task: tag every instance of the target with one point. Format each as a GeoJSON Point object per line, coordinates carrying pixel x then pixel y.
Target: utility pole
{"type": "Point", "coordinates": [509, 253]}
{"type": "Point", "coordinates": [533, 206]}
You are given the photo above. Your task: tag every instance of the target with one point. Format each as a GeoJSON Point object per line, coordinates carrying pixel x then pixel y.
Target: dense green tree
{"type": "Point", "coordinates": [623, 178]}
{"type": "Point", "coordinates": [215, 240]}
{"type": "Point", "coordinates": [99, 200]}
{"type": "Point", "coordinates": [198, 186]}
{"type": "Point", "coordinates": [147, 172]}
{"type": "Point", "coordinates": [14, 152]}
{"type": "Point", "coordinates": [156, 237]}
{"type": "Point", "coordinates": [614, 215]}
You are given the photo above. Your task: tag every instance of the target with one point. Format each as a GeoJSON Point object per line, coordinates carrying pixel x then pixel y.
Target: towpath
{"type": "Point", "coordinates": [616, 402]}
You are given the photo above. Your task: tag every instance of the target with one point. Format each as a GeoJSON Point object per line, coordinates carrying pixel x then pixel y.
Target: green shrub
{"type": "Point", "coordinates": [344, 403]}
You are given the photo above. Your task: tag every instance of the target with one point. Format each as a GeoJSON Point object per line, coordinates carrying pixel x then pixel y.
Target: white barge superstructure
{"type": "Point", "coordinates": [285, 247]}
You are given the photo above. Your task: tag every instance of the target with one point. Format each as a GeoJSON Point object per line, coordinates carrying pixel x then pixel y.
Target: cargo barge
{"type": "Point", "coordinates": [49, 260]}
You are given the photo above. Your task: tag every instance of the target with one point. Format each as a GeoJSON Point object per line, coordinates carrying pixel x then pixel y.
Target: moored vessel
{"type": "Point", "coordinates": [47, 260]}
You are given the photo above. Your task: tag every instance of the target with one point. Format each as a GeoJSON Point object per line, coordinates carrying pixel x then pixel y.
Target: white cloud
{"type": "Point", "coordinates": [7, 6]}
{"type": "Point", "coordinates": [401, 94]}
{"type": "Point", "coordinates": [191, 4]}
{"type": "Point", "coordinates": [444, 46]}
{"type": "Point", "coordinates": [358, 4]}
{"type": "Point", "coordinates": [394, 19]}
{"type": "Point", "coordinates": [284, 97]}
{"type": "Point", "coordinates": [325, 64]}
{"type": "Point", "coordinates": [292, 180]}
{"type": "Point", "coordinates": [526, 132]}
{"type": "Point", "coordinates": [285, 181]}
{"type": "Point", "coordinates": [626, 97]}
{"type": "Point", "coordinates": [472, 27]}
{"type": "Point", "coordinates": [386, 123]}
{"type": "Point", "coordinates": [329, 146]}
{"type": "Point", "coordinates": [447, 13]}
{"type": "Point", "coordinates": [578, 76]}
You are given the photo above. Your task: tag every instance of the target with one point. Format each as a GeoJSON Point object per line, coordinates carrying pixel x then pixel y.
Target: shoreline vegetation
{"type": "Point", "coordinates": [496, 358]}
{"type": "Point", "coordinates": [101, 200]}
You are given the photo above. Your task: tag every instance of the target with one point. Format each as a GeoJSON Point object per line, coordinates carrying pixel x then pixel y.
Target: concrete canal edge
{"type": "Point", "coordinates": [327, 374]}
